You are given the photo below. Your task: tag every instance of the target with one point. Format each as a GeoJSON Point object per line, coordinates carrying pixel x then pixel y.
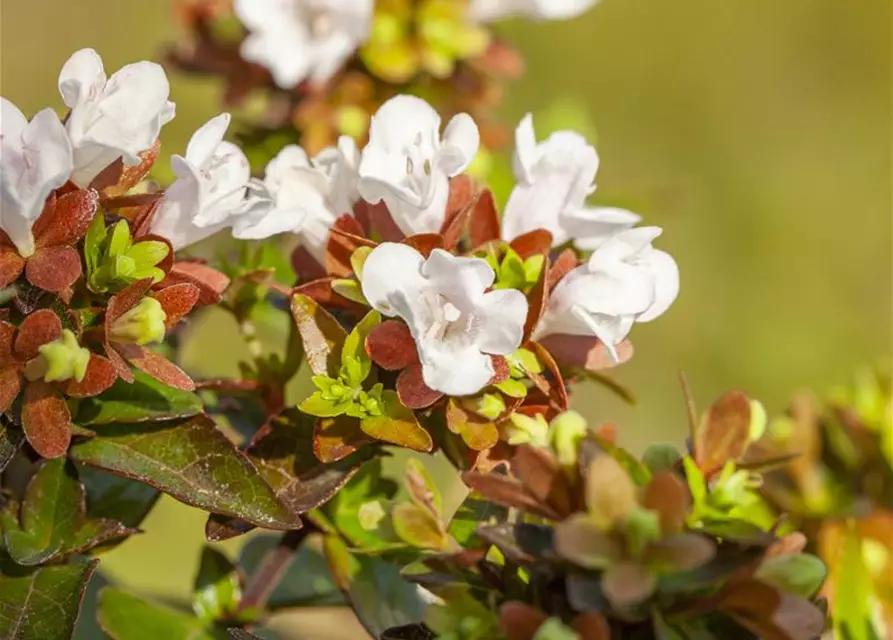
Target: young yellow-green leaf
{"type": "Point", "coordinates": [43, 603]}
{"type": "Point", "coordinates": [191, 460]}
{"type": "Point", "coordinates": [398, 425]}
{"type": "Point", "coordinates": [322, 336]}
{"type": "Point", "coordinates": [95, 236]}
{"type": "Point", "coordinates": [350, 289]}
{"type": "Point", "coordinates": [416, 526]}
{"type": "Point", "coordinates": [145, 399]}
{"type": "Point", "coordinates": [852, 612]}
{"type": "Point", "coordinates": [358, 259]}
{"type": "Point", "coordinates": [696, 483]}
{"type": "Point", "coordinates": [125, 617]}
{"type": "Point", "coordinates": [317, 405]}
{"type": "Point", "coordinates": [355, 346]}
{"type": "Point", "coordinates": [512, 388]}
{"type": "Point", "coordinates": [217, 588]}
{"type": "Point", "coordinates": [421, 486]}
{"type": "Point", "coordinates": [369, 489]}
{"type": "Point", "coordinates": [53, 523]}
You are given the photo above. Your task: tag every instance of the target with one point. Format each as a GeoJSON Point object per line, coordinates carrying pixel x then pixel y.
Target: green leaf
{"type": "Point", "coordinates": [398, 425]}
{"type": "Point", "coordinates": [96, 234]}
{"type": "Point", "coordinates": [696, 483]}
{"type": "Point", "coordinates": [316, 405]}
{"type": "Point", "coordinates": [416, 526]}
{"type": "Point", "coordinates": [322, 336]}
{"type": "Point", "coordinates": [307, 582]}
{"type": "Point", "coordinates": [350, 289]}
{"type": "Point", "coordinates": [218, 587]}
{"type": "Point", "coordinates": [10, 441]}
{"type": "Point", "coordinates": [193, 461]}
{"type": "Point", "coordinates": [112, 496]}
{"type": "Point", "coordinates": [355, 347]}
{"type": "Point", "coordinates": [473, 512]}
{"type": "Point", "coordinates": [119, 239]}
{"type": "Point", "coordinates": [53, 523]}
{"type": "Point", "coordinates": [555, 629]}
{"type": "Point", "coordinates": [802, 574]}
{"type": "Point", "coordinates": [512, 388]}
{"type": "Point", "coordinates": [126, 617]}
{"type": "Point", "coordinates": [366, 490]}
{"type": "Point", "coordinates": [661, 456]}
{"type": "Point", "coordinates": [382, 598]}
{"type": "Point", "coordinates": [43, 604]}
{"type": "Point", "coordinates": [853, 611]}
{"type": "Point", "coordinates": [145, 399]}
{"type": "Point", "coordinates": [358, 260]}
{"type": "Point", "coordinates": [421, 486]}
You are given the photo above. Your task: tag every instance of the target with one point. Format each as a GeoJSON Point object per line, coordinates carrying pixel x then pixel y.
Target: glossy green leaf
{"type": "Point", "coordinates": [53, 523]}
{"type": "Point", "coordinates": [193, 461]}
{"type": "Point", "coordinates": [146, 399]}
{"type": "Point", "coordinates": [218, 587]}
{"type": "Point", "coordinates": [661, 456]}
{"type": "Point", "coordinates": [473, 512]}
{"type": "Point", "coordinates": [125, 617]}
{"type": "Point", "coordinates": [416, 526]}
{"type": "Point", "coordinates": [113, 496]}
{"type": "Point", "coordinates": [368, 491]}
{"type": "Point", "coordinates": [802, 573]}
{"type": "Point", "coordinates": [382, 598]}
{"type": "Point", "coordinates": [42, 604]}
{"type": "Point", "coordinates": [10, 441]}
{"type": "Point", "coordinates": [317, 405]}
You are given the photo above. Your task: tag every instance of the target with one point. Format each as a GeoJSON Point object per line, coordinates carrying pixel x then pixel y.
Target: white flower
{"type": "Point", "coordinates": [299, 39]}
{"type": "Point", "coordinates": [35, 159]}
{"type": "Point", "coordinates": [625, 280]}
{"type": "Point", "coordinates": [554, 179]}
{"type": "Point", "coordinates": [455, 321]}
{"type": "Point", "coordinates": [112, 117]}
{"type": "Point", "coordinates": [488, 10]}
{"type": "Point", "coordinates": [303, 196]}
{"type": "Point", "coordinates": [209, 191]}
{"type": "Point", "coordinates": [407, 165]}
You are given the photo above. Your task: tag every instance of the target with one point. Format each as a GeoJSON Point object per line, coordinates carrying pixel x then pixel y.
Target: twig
{"type": "Point", "coordinates": [690, 407]}
{"type": "Point", "coordinates": [273, 566]}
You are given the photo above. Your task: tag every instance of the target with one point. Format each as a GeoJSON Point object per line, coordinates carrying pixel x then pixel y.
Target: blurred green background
{"type": "Point", "coordinates": [756, 132]}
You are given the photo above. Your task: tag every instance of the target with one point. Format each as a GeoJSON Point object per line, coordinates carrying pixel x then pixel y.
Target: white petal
{"type": "Point", "coordinates": [412, 218]}
{"type": "Point", "coordinates": [263, 221]}
{"type": "Point", "coordinates": [12, 125]}
{"type": "Point", "coordinates": [81, 74]}
{"type": "Point", "coordinates": [204, 142]}
{"type": "Point", "coordinates": [623, 246]}
{"type": "Point", "coordinates": [462, 280]}
{"type": "Point", "coordinates": [666, 285]}
{"type": "Point", "coordinates": [503, 313]}
{"type": "Point", "coordinates": [525, 149]}
{"type": "Point", "coordinates": [611, 330]}
{"type": "Point", "coordinates": [403, 121]}
{"type": "Point", "coordinates": [590, 227]}
{"type": "Point", "coordinates": [455, 372]}
{"type": "Point", "coordinates": [173, 218]}
{"type": "Point", "coordinates": [537, 205]}
{"type": "Point", "coordinates": [391, 269]}
{"type": "Point", "coordinates": [461, 140]}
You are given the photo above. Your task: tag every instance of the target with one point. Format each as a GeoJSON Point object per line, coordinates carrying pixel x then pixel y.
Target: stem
{"type": "Point", "coordinates": [273, 567]}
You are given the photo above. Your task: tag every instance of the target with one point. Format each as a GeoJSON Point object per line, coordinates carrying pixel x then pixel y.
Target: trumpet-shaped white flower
{"type": "Point", "coordinates": [554, 179]}
{"type": "Point", "coordinates": [209, 192]}
{"type": "Point", "coordinates": [455, 321]}
{"type": "Point", "coordinates": [112, 117]}
{"type": "Point", "coordinates": [626, 280]}
{"type": "Point", "coordinates": [299, 39]}
{"type": "Point", "coordinates": [488, 10]}
{"type": "Point", "coordinates": [408, 165]}
{"type": "Point", "coordinates": [304, 196]}
{"type": "Point", "coordinates": [35, 158]}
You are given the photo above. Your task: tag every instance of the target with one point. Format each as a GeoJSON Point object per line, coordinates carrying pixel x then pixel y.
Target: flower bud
{"type": "Point", "coordinates": [143, 324]}
{"type": "Point", "coordinates": [565, 434]}
{"type": "Point", "coordinates": [60, 360]}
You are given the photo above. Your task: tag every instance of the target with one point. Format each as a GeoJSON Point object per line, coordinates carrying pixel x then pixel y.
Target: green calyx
{"type": "Point", "coordinates": [512, 272]}
{"type": "Point", "coordinates": [335, 397]}
{"type": "Point", "coordinates": [143, 324]}
{"type": "Point", "coordinates": [60, 360]}
{"type": "Point", "coordinates": [114, 260]}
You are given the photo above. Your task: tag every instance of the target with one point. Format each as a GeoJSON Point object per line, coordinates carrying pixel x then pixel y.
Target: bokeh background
{"type": "Point", "coordinates": [756, 132]}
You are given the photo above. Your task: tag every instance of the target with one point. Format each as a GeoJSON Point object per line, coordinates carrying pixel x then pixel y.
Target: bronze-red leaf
{"type": "Point", "coordinates": [177, 300]}
{"type": "Point", "coordinates": [131, 175]}
{"type": "Point", "coordinates": [10, 385]}
{"type": "Point", "coordinates": [425, 243]}
{"type": "Point", "coordinates": [536, 300]}
{"type": "Point", "coordinates": [586, 352]}
{"type": "Point", "coordinates": [100, 375]}
{"type": "Point", "coordinates": [155, 365]}
{"type": "Point", "coordinates": [553, 385]}
{"type": "Point", "coordinates": [306, 266]}
{"type": "Point", "coordinates": [337, 438]}
{"type": "Point", "coordinates": [484, 225]}
{"type": "Point", "coordinates": [412, 390]}
{"type": "Point", "coordinates": [53, 268]}
{"type": "Point", "coordinates": [125, 300]}
{"type": "Point", "coordinates": [11, 265]}
{"type": "Point", "coordinates": [563, 265]}
{"type": "Point", "coordinates": [377, 217]}
{"type": "Point", "coordinates": [46, 419]}
{"type": "Point", "coordinates": [66, 221]}
{"type": "Point", "coordinates": [520, 621]}
{"type": "Point", "coordinates": [7, 334]}
{"type": "Point", "coordinates": [391, 347]}
{"type": "Point", "coordinates": [501, 371]}
{"type": "Point", "coordinates": [36, 330]}
{"type": "Point", "coordinates": [210, 282]}
{"type": "Point", "coordinates": [538, 241]}
{"type": "Point", "coordinates": [321, 291]}
{"type": "Point", "coordinates": [345, 238]}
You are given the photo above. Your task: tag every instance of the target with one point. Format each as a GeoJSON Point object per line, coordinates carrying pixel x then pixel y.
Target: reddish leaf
{"type": "Point", "coordinates": [36, 330]}
{"type": "Point", "coordinates": [135, 200]}
{"type": "Point", "coordinates": [141, 219]}
{"type": "Point", "coordinates": [155, 365]}
{"type": "Point", "coordinates": [306, 266]}
{"type": "Point", "coordinates": [520, 621]}
{"type": "Point", "coordinates": [563, 265]}
{"type": "Point", "coordinates": [377, 217]}
{"type": "Point", "coordinates": [591, 626]}
{"type": "Point", "coordinates": [118, 363]}
{"type": "Point", "coordinates": [628, 583]}
{"type": "Point", "coordinates": [586, 352]}
{"type": "Point", "coordinates": [477, 433]}
{"type": "Point", "coordinates": [53, 268]}
{"type": "Point", "coordinates": [789, 545]}
{"type": "Point", "coordinates": [345, 238]}
{"type": "Point", "coordinates": [124, 301]}
{"type": "Point", "coordinates": [10, 385]}
{"type": "Point", "coordinates": [46, 419]}
{"type": "Point", "coordinates": [131, 175]}
{"type": "Point", "coordinates": [65, 222]}
{"type": "Point", "coordinates": [177, 300]}
{"type": "Point", "coordinates": [532, 243]}
{"type": "Point", "coordinates": [336, 438]}
{"type": "Point", "coordinates": [210, 282]}
{"type": "Point", "coordinates": [412, 390]}
{"type": "Point", "coordinates": [460, 207]}
{"type": "Point", "coordinates": [501, 371]}
{"type": "Point", "coordinates": [425, 243]}
{"type": "Point", "coordinates": [484, 220]}
{"type": "Point", "coordinates": [771, 614]}
{"type": "Point", "coordinates": [391, 347]}
{"type": "Point", "coordinates": [723, 433]}
{"type": "Point", "coordinates": [668, 496]}
{"type": "Point", "coordinates": [321, 291]}
{"type": "Point", "coordinates": [541, 474]}
{"type": "Point", "coordinates": [109, 176]}
{"type": "Point", "coordinates": [11, 265]}
{"type": "Point", "coordinates": [553, 387]}
{"type": "Point", "coordinates": [7, 334]}
{"type": "Point", "coordinates": [508, 492]}
{"type": "Point", "coordinates": [536, 301]}
{"type": "Point", "coordinates": [101, 374]}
